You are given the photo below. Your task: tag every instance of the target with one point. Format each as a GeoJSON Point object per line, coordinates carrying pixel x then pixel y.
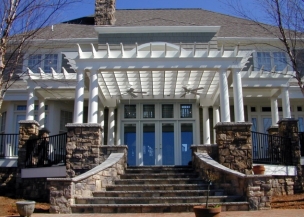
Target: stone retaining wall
{"type": "Point", "coordinates": [8, 181]}
{"type": "Point", "coordinates": [256, 189]}
{"type": "Point", "coordinates": [64, 191]}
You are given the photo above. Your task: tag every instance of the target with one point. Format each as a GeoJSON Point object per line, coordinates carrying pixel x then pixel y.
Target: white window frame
{"type": "Point", "coordinates": [272, 62]}
{"type": "Point", "coordinates": [43, 54]}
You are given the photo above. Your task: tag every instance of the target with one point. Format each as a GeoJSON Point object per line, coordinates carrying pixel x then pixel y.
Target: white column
{"type": "Point", "coordinates": [101, 121]}
{"type": "Point", "coordinates": [30, 107]}
{"type": "Point", "coordinates": [93, 98]}
{"type": "Point", "coordinates": [111, 125]}
{"type": "Point", "coordinates": [206, 125]}
{"type": "Point", "coordinates": [224, 96]}
{"type": "Point", "coordinates": [79, 97]}
{"type": "Point", "coordinates": [216, 119]}
{"type": "Point", "coordinates": [274, 111]}
{"type": "Point", "coordinates": [238, 97]}
{"type": "Point", "coordinates": [41, 112]}
{"type": "Point", "coordinates": [286, 103]}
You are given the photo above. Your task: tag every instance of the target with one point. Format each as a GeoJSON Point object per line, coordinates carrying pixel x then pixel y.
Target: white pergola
{"type": "Point", "coordinates": [161, 70]}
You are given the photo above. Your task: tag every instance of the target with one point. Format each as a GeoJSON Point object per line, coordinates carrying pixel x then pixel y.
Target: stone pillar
{"type": "Point", "coordinates": [286, 103]}
{"type": "Point", "coordinates": [93, 98]}
{"type": "Point", "coordinates": [30, 107]}
{"type": "Point", "coordinates": [111, 125]}
{"type": "Point", "coordinates": [41, 113]}
{"type": "Point", "coordinates": [79, 97]}
{"type": "Point", "coordinates": [224, 96]}
{"type": "Point", "coordinates": [27, 130]}
{"type": "Point", "coordinates": [288, 128]}
{"type": "Point", "coordinates": [83, 148]}
{"type": "Point", "coordinates": [216, 119]}
{"type": "Point", "coordinates": [206, 125]}
{"type": "Point", "coordinates": [234, 144]}
{"type": "Point", "coordinates": [104, 12]}
{"type": "Point", "coordinates": [238, 97]}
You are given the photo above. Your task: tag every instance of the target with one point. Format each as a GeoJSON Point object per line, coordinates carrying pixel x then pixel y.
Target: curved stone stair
{"type": "Point", "coordinates": [156, 189]}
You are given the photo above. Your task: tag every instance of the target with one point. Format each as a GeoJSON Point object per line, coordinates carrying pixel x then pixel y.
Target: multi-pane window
{"type": "Point", "coordinates": [65, 117]}
{"type": "Point", "coordinates": [271, 59]}
{"type": "Point", "coordinates": [50, 61]}
{"type": "Point", "coordinates": [130, 111]}
{"type": "Point", "coordinates": [167, 111]}
{"type": "Point", "coordinates": [44, 61]}
{"type": "Point", "coordinates": [3, 121]}
{"type": "Point", "coordinates": [34, 62]}
{"type": "Point", "coordinates": [148, 111]}
{"type": "Point", "coordinates": [186, 110]}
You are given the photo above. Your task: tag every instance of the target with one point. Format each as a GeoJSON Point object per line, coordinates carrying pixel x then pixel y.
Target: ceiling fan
{"type": "Point", "coordinates": [190, 91]}
{"type": "Point", "coordinates": [130, 91]}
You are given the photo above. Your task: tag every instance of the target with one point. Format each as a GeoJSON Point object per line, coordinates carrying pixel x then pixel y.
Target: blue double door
{"type": "Point", "coordinates": [158, 143]}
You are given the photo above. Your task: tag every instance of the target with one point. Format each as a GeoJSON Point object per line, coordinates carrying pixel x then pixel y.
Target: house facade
{"type": "Point", "coordinates": [157, 81]}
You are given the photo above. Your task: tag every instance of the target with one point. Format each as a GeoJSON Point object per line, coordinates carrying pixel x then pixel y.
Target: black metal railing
{"type": "Point", "coordinates": [301, 141]}
{"type": "Point", "coordinates": [9, 145]}
{"type": "Point", "coordinates": [46, 151]}
{"type": "Point", "coordinates": [271, 149]}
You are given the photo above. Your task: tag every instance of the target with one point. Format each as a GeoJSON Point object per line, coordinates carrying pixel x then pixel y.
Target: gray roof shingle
{"type": "Point", "coordinates": [230, 26]}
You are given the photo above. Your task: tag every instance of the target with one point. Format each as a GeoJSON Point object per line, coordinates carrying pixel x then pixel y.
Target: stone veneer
{"type": "Point", "coordinates": [288, 127]}
{"type": "Point", "coordinates": [27, 130]}
{"type": "Point", "coordinates": [64, 191]}
{"type": "Point", "coordinates": [104, 12]}
{"type": "Point", "coordinates": [83, 148]}
{"type": "Point", "coordinates": [234, 146]}
{"type": "Point", "coordinates": [257, 189]}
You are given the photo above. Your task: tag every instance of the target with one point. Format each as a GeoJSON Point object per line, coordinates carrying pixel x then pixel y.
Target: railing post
{"type": "Point", "coordinates": [288, 128]}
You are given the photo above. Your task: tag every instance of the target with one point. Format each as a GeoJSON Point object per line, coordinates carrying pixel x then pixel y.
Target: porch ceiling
{"type": "Point", "coordinates": [157, 84]}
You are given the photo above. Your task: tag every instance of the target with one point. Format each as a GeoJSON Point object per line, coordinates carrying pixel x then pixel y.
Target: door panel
{"type": "Point", "coordinates": [130, 141]}
{"type": "Point", "coordinates": [149, 148]}
{"type": "Point", "coordinates": [167, 144]}
{"type": "Point", "coordinates": [186, 140]}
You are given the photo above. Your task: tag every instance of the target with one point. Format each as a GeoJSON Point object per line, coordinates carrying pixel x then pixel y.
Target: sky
{"type": "Point", "coordinates": [87, 6]}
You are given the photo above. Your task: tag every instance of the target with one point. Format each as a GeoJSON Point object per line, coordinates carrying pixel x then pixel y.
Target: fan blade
{"type": "Point", "coordinates": [183, 95]}
{"type": "Point", "coordinates": [195, 93]}
{"type": "Point", "coordinates": [139, 92]}
{"type": "Point", "coordinates": [133, 95]}
{"type": "Point", "coordinates": [199, 88]}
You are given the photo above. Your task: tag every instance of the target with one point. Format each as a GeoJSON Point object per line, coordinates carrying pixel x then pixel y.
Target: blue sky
{"type": "Point", "coordinates": [87, 6]}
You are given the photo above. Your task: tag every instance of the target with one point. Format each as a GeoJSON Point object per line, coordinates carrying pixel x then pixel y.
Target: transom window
{"type": "Point", "coordinates": [44, 61]}
{"type": "Point", "coordinates": [148, 111]}
{"type": "Point", "coordinates": [167, 111]}
{"type": "Point", "coordinates": [271, 59]}
{"type": "Point", "coordinates": [130, 111]}
{"type": "Point", "coordinates": [186, 110]}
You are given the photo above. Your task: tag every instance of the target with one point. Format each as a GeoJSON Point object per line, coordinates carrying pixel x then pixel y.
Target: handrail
{"type": "Point", "coordinates": [9, 145]}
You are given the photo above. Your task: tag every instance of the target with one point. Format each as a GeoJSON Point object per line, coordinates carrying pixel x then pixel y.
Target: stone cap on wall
{"type": "Point", "coordinates": [29, 122]}
{"type": "Point", "coordinates": [83, 125]}
{"type": "Point", "coordinates": [287, 120]}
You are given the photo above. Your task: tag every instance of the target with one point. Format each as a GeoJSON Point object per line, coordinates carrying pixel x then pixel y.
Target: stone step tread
{"type": "Point", "coordinates": [161, 191]}
{"type": "Point", "coordinates": [159, 198]}
{"type": "Point", "coordinates": [161, 179]}
{"type": "Point", "coordinates": [158, 204]}
{"type": "Point", "coordinates": [161, 174]}
{"type": "Point", "coordinates": [159, 185]}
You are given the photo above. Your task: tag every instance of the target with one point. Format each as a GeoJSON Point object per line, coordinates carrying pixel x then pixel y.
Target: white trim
{"type": "Point", "coordinates": [44, 172]}
{"type": "Point", "coordinates": [155, 29]}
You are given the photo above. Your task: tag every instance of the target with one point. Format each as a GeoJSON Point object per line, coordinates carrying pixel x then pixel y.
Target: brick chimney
{"type": "Point", "coordinates": [104, 12]}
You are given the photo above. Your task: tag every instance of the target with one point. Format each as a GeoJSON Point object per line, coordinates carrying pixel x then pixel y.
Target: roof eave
{"type": "Point", "coordinates": [154, 29]}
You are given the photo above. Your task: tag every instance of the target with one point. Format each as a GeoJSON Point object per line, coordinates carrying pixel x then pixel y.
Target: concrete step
{"type": "Point", "coordinates": [159, 181]}
{"type": "Point", "coordinates": [152, 208]}
{"type": "Point", "coordinates": [155, 200]}
{"type": "Point", "coordinates": [163, 175]}
{"type": "Point", "coordinates": [159, 193]}
{"type": "Point", "coordinates": [159, 169]}
{"type": "Point", "coordinates": [151, 187]}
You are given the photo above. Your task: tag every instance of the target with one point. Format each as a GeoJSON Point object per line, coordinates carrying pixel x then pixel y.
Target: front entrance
{"type": "Point", "coordinates": [158, 142]}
